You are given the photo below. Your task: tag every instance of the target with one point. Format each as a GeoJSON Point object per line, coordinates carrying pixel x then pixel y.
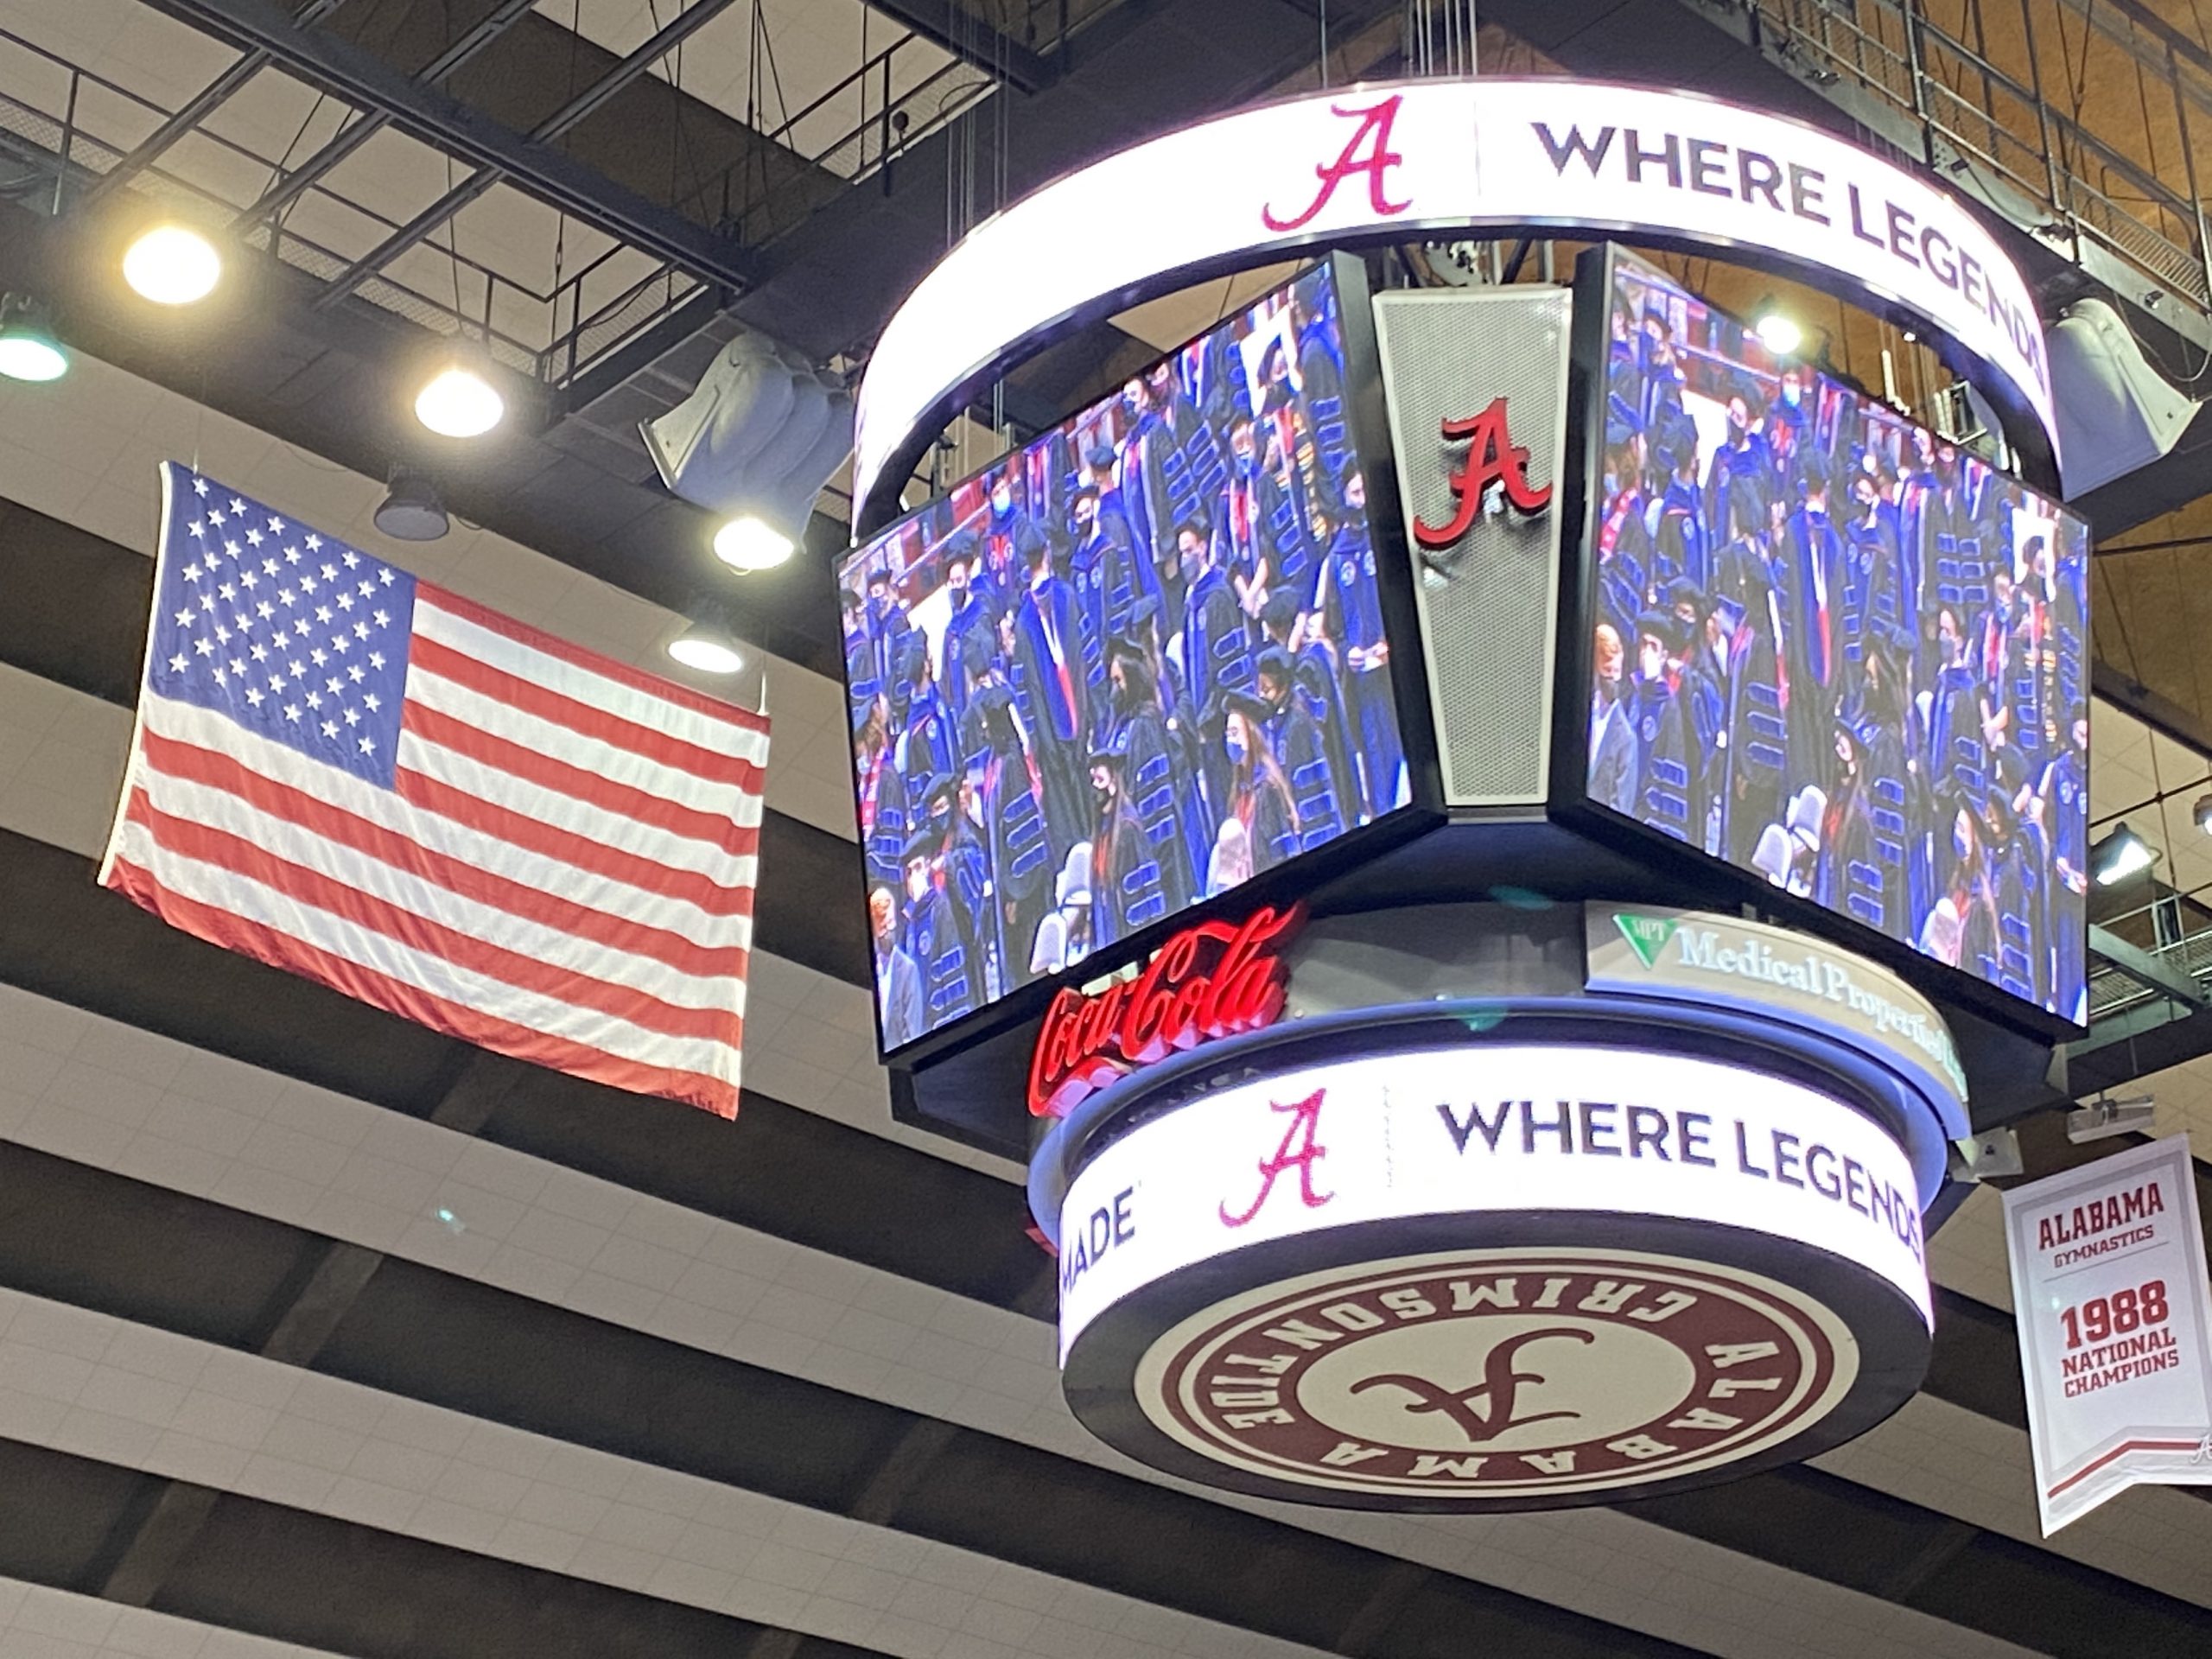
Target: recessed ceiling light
{"type": "Point", "coordinates": [459, 403]}
{"type": "Point", "coordinates": [172, 265]}
{"type": "Point", "coordinates": [749, 542]}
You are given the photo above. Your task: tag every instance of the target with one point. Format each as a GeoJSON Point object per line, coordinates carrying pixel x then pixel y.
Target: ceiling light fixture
{"type": "Point", "coordinates": [412, 510]}
{"type": "Point", "coordinates": [2205, 813]}
{"type": "Point", "coordinates": [2118, 855]}
{"type": "Point", "coordinates": [707, 645]}
{"type": "Point", "coordinates": [459, 402]}
{"type": "Point", "coordinates": [751, 543]}
{"type": "Point", "coordinates": [28, 350]}
{"type": "Point", "coordinates": [171, 265]}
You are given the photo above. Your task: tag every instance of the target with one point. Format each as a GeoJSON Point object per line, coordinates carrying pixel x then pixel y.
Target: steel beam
{"type": "Point", "coordinates": [945, 23]}
{"type": "Point", "coordinates": [318, 166]}
{"type": "Point", "coordinates": [360, 77]}
{"type": "Point", "coordinates": [562, 121]}
{"type": "Point", "coordinates": [203, 103]}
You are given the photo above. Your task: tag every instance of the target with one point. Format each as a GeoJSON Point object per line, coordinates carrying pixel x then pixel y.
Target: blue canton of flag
{"type": "Point", "coordinates": [297, 637]}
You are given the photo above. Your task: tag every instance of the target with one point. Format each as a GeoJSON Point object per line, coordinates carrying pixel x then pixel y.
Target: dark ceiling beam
{"type": "Point", "coordinates": [959, 31]}
{"type": "Point", "coordinates": [347, 71]}
{"type": "Point", "coordinates": [369, 123]}
{"type": "Point", "coordinates": [198, 107]}
{"type": "Point", "coordinates": [564, 120]}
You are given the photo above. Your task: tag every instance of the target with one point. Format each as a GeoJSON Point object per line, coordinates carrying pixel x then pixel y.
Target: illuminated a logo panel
{"type": "Point", "coordinates": [1498, 1374]}
{"type": "Point", "coordinates": [1492, 461]}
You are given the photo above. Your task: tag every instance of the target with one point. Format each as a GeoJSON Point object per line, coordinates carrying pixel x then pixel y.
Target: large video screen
{"type": "Point", "coordinates": [1836, 650]}
{"type": "Point", "coordinates": [1127, 668]}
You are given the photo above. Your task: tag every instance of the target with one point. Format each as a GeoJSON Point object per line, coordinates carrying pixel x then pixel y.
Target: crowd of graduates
{"type": "Point", "coordinates": [1128, 667]}
{"type": "Point", "coordinates": [1834, 650]}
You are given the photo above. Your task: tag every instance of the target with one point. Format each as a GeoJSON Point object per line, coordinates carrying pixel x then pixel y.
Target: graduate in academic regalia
{"type": "Point", "coordinates": [1046, 652]}
{"type": "Point", "coordinates": [971, 630]}
{"type": "Point", "coordinates": [1613, 743]}
{"type": "Point", "coordinates": [1298, 745]}
{"type": "Point", "coordinates": [1125, 878]}
{"type": "Point", "coordinates": [1349, 608]}
{"type": "Point", "coordinates": [1662, 739]}
{"type": "Point", "coordinates": [1259, 801]}
{"type": "Point", "coordinates": [898, 992]}
{"type": "Point", "coordinates": [1150, 776]}
{"type": "Point", "coordinates": [936, 935]}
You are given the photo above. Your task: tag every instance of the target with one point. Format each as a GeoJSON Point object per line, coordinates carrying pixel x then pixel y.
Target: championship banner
{"type": "Point", "coordinates": [2108, 1285]}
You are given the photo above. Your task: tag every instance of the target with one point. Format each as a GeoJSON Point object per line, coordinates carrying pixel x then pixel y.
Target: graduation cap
{"type": "Point", "coordinates": [922, 845]}
{"type": "Point", "coordinates": [941, 786]}
{"type": "Point", "coordinates": [961, 545]}
{"type": "Point", "coordinates": [1110, 752]}
{"type": "Point", "coordinates": [1682, 591]}
{"type": "Point", "coordinates": [912, 654]}
{"type": "Point", "coordinates": [1276, 661]}
{"type": "Point", "coordinates": [1662, 625]}
{"type": "Point", "coordinates": [1123, 646]}
{"type": "Point", "coordinates": [1253, 706]}
{"type": "Point", "coordinates": [2011, 772]}
{"type": "Point", "coordinates": [1280, 610]}
{"type": "Point", "coordinates": [1100, 455]}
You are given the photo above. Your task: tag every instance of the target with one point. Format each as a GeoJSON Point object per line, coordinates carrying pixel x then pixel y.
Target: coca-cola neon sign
{"type": "Point", "coordinates": [1212, 979]}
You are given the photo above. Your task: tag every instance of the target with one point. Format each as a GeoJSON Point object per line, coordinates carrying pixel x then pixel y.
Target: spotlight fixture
{"type": "Point", "coordinates": [1778, 331]}
{"type": "Point", "coordinates": [172, 264]}
{"type": "Point", "coordinates": [2118, 855]}
{"type": "Point", "coordinates": [2205, 813]}
{"type": "Point", "coordinates": [751, 543]}
{"type": "Point", "coordinates": [2103, 1117]}
{"type": "Point", "coordinates": [459, 402]}
{"type": "Point", "coordinates": [411, 511]}
{"type": "Point", "coordinates": [706, 644]}
{"type": "Point", "coordinates": [28, 350]}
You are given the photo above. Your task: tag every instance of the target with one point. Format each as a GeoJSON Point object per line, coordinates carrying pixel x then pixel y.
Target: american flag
{"type": "Point", "coordinates": [371, 782]}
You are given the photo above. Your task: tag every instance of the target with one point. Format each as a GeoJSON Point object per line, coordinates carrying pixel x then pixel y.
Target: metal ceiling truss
{"type": "Point", "coordinates": [693, 247]}
{"type": "Point", "coordinates": [338, 66]}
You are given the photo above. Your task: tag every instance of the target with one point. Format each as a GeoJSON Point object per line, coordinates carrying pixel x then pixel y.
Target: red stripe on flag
{"type": "Point", "coordinates": [231, 932]}
{"type": "Point", "coordinates": [581, 717]}
{"type": "Point", "coordinates": [195, 765]}
{"type": "Point", "coordinates": [535, 835]}
{"type": "Point", "coordinates": [621, 673]}
{"type": "Point", "coordinates": [207, 845]}
{"type": "Point", "coordinates": [576, 783]}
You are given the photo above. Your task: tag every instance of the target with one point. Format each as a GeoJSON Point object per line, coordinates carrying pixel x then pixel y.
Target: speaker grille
{"type": "Point", "coordinates": [1487, 601]}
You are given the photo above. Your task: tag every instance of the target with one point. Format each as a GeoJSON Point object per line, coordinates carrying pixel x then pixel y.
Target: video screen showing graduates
{"type": "Point", "coordinates": [1836, 650]}
{"type": "Point", "coordinates": [1124, 669]}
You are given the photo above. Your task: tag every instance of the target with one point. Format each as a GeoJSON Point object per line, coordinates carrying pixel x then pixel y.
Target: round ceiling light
{"type": "Point", "coordinates": [747, 542]}
{"type": "Point", "coordinates": [172, 265]}
{"type": "Point", "coordinates": [459, 403]}
{"type": "Point", "coordinates": [708, 648]}
{"type": "Point", "coordinates": [1779, 333]}
{"type": "Point", "coordinates": [28, 352]}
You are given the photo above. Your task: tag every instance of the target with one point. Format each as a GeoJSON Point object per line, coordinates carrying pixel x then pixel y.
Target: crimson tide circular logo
{"type": "Point", "coordinates": [1513, 1376]}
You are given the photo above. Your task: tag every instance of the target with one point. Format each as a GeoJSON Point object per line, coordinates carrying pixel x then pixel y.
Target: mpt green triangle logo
{"type": "Point", "coordinates": [1646, 935]}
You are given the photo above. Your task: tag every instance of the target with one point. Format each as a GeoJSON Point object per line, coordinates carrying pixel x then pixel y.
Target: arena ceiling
{"type": "Point", "coordinates": [320, 1334]}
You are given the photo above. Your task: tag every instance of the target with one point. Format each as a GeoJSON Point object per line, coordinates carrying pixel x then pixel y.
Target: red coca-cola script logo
{"type": "Point", "coordinates": [1209, 981]}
